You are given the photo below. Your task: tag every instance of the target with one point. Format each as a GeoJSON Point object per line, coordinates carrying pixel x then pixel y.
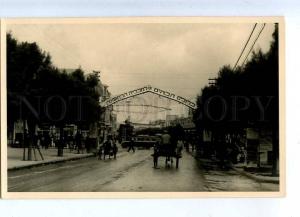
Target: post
{"type": "Point", "coordinates": [31, 129]}
{"type": "Point", "coordinates": [60, 147]}
{"type": "Point", "coordinates": [24, 138]}
{"type": "Point", "coordinates": [200, 143]}
{"type": "Point", "coordinates": [275, 144]}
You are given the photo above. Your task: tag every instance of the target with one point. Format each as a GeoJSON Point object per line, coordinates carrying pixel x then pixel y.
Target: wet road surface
{"type": "Point", "coordinates": [230, 180]}
{"type": "Point", "coordinates": [129, 172]}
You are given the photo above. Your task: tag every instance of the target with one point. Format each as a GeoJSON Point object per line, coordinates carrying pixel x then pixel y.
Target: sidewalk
{"type": "Point", "coordinates": [15, 156]}
{"type": "Point", "coordinates": [255, 175]}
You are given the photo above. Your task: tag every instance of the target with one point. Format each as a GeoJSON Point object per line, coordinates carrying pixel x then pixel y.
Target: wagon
{"type": "Point", "coordinates": [167, 151]}
{"type": "Point", "coordinates": [107, 150]}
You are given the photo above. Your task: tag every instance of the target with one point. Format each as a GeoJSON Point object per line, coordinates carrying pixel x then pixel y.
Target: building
{"type": "Point", "coordinates": [186, 122]}
{"type": "Point", "coordinates": [125, 131]}
{"type": "Point", "coordinates": [160, 123]}
{"type": "Point", "coordinates": [108, 119]}
{"type": "Point", "coordinates": [170, 118]}
{"type": "Point", "coordinates": [114, 127]}
{"type": "Point", "coordinates": [259, 147]}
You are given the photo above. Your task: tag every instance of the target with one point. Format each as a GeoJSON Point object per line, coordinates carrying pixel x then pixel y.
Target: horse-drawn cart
{"type": "Point", "coordinates": [167, 151]}
{"type": "Point", "coordinates": [109, 149]}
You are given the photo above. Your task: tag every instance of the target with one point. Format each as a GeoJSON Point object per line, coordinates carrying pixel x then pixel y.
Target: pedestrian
{"type": "Point", "coordinates": [26, 139]}
{"type": "Point", "coordinates": [193, 142]}
{"type": "Point", "coordinates": [107, 147]}
{"type": "Point", "coordinates": [179, 147]}
{"type": "Point", "coordinates": [187, 146]}
{"type": "Point", "coordinates": [115, 149]}
{"type": "Point", "coordinates": [71, 141]}
{"type": "Point", "coordinates": [78, 138]}
{"type": "Point", "coordinates": [35, 140]}
{"type": "Point", "coordinates": [47, 140]}
{"type": "Point", "coordinates": [42, 140]}
{"type": "Point", "coordinates": [88, 143]}
{"type": "Point", "coordinates": [100, 152]}
{"type": "Point", "coordinates": [167, 146]}
{"type": "Point", "coordinates": [131, 145]}
{"type": "Point", "coordinates": [165, 138]}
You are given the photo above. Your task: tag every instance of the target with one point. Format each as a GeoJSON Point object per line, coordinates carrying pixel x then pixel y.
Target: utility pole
{"type": "Point", "coordinates": [25, 137]}
{"type": "Point", "coordinates": [212, 81]}
{"type": "Point", "coordinates": [128, 109]}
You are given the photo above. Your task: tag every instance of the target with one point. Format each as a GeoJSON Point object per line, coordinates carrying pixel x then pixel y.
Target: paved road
{"type": "Point", "coordinates": [230, 180]}
{"type": "Point", "coordinates": [129, 172]}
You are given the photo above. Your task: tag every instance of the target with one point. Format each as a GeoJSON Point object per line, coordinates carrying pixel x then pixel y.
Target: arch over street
{"type": "Point", "coordinates": [149, 89]}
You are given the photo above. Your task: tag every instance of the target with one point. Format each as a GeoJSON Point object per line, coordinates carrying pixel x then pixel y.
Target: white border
{"type": "Point", "coordinates": [281, 193]}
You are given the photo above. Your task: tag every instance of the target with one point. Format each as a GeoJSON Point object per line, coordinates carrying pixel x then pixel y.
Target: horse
{"type": "Point", "coordinates": [108, 149]}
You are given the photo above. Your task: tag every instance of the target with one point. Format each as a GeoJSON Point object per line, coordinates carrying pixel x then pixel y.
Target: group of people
{"type": "Point", "coordinates": [45, 140]}
{"type": "Point", "coordinates": [169, 142]}
{"type": "Point", "coordinates": [78, 143]}
{"type": "Point", "coordinates": [109, 147]}
{"type": "Point", "coordinates": [38, 140]}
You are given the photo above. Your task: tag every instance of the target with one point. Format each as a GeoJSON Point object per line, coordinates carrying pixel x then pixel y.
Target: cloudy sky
{"type": "Point", "coordinates": [175, 57]}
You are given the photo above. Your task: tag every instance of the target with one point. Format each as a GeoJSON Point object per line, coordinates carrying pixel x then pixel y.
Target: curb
{"type": "Point", "coordinates": [251, 176]}
{"type": "Point", "coordinates": [256, 178]}
{"type": "Point", "coordinates": [42, 163]}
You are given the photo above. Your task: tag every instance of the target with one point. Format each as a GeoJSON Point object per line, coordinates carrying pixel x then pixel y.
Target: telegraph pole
{"type": "Point", "coordinates": [212, 81]}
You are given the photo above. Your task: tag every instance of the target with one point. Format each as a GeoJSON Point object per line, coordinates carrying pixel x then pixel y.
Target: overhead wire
{"type": "Point", "coordinates": [245, 46]}
{"type": "Point", "coordinates": [253, 44]}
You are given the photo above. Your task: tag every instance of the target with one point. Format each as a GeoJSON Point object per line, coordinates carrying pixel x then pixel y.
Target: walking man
{"type": "Point", "coordinates": [78, 138]}
{"type": "Point", "coordinates": [131, 145]}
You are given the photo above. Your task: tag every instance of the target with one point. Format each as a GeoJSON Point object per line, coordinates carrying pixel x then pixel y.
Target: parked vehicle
{"type": "Point", "coordinates": [142, 141]}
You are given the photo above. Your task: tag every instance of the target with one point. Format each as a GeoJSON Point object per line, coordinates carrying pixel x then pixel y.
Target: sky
{"type": "Point", "coordinates": [177, 57]}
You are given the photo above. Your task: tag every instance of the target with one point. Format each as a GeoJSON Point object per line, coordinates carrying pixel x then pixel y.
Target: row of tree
{"type": "Point", "coordinates": [245, 97]}
{"type": "Point", "coordinates": [40, 93]}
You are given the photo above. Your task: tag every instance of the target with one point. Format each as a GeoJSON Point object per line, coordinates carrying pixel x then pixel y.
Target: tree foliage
{"type": "Point", "coordinates": [41, 93]}
{"type": "Point", "coordinates": [234, 101]}
{"type": "Point", "coordinates": [243, 98]}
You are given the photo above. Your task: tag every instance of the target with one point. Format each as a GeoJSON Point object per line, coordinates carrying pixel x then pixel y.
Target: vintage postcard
{"type": "Point", "coordinates": [142, 107]}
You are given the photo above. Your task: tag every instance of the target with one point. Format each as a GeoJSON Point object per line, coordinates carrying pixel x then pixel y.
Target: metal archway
{"type": "Point", "coordinates": [149, 89]}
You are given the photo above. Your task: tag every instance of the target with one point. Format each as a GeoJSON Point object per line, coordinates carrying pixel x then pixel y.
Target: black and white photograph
{"type": "Point", "coordinates": [190, 106]}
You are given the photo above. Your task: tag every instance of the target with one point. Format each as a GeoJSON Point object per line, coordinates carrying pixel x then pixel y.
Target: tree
{"type": "Point", "coordinates": [74, 100]}
{"type": "Point", "coordinates": [235, 102]}
{"type": "Point", "coordinates": [24, 62]}
{"type": "Point", "coordinates": [41, 93]}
